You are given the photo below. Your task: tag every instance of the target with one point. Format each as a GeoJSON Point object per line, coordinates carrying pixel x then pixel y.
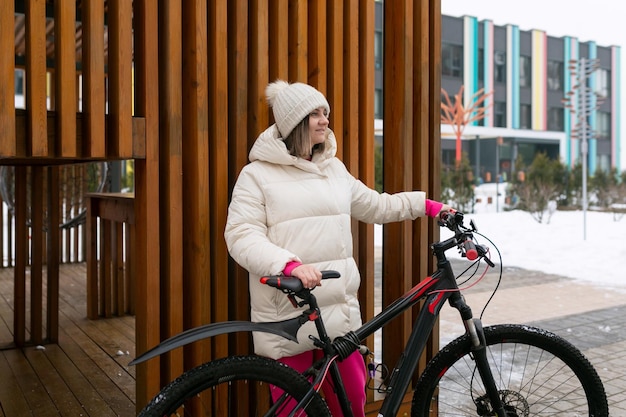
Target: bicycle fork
{"type": "Point", "coordinates": [474, 329]}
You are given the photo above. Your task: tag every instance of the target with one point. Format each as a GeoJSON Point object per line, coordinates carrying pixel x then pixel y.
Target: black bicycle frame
{"type": "Point", "coordinates": [438, 288]}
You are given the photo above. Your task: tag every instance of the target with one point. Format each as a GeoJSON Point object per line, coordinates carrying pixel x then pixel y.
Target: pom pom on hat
{"type": "Point", "coordinates": [291, 103]}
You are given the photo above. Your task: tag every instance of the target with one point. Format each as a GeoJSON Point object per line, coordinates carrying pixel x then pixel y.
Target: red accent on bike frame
{"type": "Point", "coordinates": [314, 315]}
{"type": "Point", "coordinates": [434, 303]}
{"type": "Point", "coordinates": [421, 288]}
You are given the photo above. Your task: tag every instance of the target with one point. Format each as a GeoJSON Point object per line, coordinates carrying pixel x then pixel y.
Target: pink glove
{"type": "Point", "coordinates": [433, 208]}
{"type": "Point", "coordinates": [290, 267]}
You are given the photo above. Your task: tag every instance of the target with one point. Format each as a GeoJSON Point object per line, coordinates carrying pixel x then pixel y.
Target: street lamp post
{"type": "Point", "coordinates": [581, 105]}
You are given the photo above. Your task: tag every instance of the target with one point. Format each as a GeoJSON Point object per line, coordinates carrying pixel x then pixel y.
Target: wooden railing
{"type": "Point", "coordinates": [110, 235]}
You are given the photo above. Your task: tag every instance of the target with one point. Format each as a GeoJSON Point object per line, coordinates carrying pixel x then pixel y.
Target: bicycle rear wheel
{"type": "Point", "coordinates": [537, 373]}
{"type": "Point", "coordinates": [234, 386]}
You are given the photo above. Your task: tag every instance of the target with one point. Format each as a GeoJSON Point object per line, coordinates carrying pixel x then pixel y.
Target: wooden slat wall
{"type": "Point", "coordinates": [67, 44]}
{"type": "Point", "coordinates": [200, 69]}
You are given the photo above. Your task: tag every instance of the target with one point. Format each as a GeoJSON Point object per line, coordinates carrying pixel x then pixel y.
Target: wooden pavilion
{"type": "Point", "coordinates": [177, 88]}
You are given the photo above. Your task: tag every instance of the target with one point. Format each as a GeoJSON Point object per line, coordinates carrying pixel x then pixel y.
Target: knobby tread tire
{"type": "Point", "coordinates": [542, 340]}
{"type": "Point", "coordinates": [210, 374]}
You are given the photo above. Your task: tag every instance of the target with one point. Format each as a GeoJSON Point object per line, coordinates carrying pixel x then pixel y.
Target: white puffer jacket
{"type": "Point", "coordinates": [285, 208]}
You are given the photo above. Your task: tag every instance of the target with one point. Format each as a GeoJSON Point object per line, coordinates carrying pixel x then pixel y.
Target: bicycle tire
{"type": "Point", "coordinates": [538, 373]}
{"type": "Point", "coordinates": [233, 386]}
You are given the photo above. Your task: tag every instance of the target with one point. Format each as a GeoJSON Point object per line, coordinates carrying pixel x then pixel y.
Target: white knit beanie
{"type": "Point", "coordinates": [291, 103]}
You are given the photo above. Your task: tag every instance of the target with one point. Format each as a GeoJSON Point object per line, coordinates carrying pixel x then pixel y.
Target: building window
{"type": "Point", "coordinates": [499, 114]}
{"type": "Point", "coordinates": [525, 116]}
{"type": "Point", "coordinates": [603, 163]}
{"type": "Point", "coordinates": [603, 82]}
{"type": "Point", "coordinates": [19, 82]}
{"type": "Point", "coordinates": [481, 64]}
{"type": "Point", "coordinates": [555, 75]}
{"type": "Point", "coordinates": [451, 60]}
{"type": "Point", "coordinates": [603, 125]}
{"type": "Point", "coordinates": [499, 67]}
{"type": "Point", "coordinates": [378, 49]}
{"type": "Point", "coordinates": [378, 103]}
{"type": "Point", "coordinates": [555, 119]}
{"type": "Point", "coordinates": [525, 75]}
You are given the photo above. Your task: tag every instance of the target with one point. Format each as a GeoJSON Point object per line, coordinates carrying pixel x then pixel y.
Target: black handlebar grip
{"type": "Point", "coordinates": [293, 283]}
{"type": "Point", "coordinates": [330, 274]}
{"type": "Point", "coordinates": [279, 281]}
{"type": "Point", "coordinates": [470, 250]}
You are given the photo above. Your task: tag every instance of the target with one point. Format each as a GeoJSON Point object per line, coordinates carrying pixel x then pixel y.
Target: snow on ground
{"type": "Point", "coordinates": [559, 247]}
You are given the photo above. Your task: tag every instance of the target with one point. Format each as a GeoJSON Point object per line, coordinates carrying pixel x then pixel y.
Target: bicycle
{"type": "Point", "coordinates": [502, 370]}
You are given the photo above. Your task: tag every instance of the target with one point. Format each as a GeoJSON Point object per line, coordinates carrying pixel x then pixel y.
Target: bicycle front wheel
{"type": "Point", "coordinates": [537, 374]}
{"type": "Point", "coordinates": [235, 386]}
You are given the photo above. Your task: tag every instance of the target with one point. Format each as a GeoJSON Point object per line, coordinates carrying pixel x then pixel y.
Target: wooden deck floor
{"type": "Point", "coordinates": [85, 374]}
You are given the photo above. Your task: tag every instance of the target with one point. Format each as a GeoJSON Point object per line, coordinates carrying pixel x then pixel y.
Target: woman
{"type": "Point", "coordinates": [291, 212]}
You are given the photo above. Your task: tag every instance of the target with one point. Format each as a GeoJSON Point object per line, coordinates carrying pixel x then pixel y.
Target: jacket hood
{"type": "Point", "coordinates": [269, 147]}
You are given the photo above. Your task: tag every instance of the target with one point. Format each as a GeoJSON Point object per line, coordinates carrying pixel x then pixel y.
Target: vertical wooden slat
{"type": "Point", "coordinates": [279, 39]}
{"type": "Point", "coordinates": [298, 40]}
{"type": "Point", "coordinates": [129, 270]}
{"type": "Point", "coordinates": [170, 82]}
{"type": "Point", "coordinates": [36, 270]}
{"type": "Point", "coordinates": [259, 73]}
{"type": "Point", "coordinates": [106, 294]}
{"type": "Point", "coordinates": [195, 130]}
{"type": "Point", "coordinates": [21, 256]}
{"type": "Point", "coordinates": [219, 164]}
{"type": "Point", "coordinates": [65, 76]}
{"type": "Point", "coordinates": [65, 173]}
{"type": "Point", "coordinates": [8, 145]}
{"type": "Point", "coordinates": [11, 233]}
{"type": "Point", "coordinates": [120, 52]}
{"type": "Point", "coordinates": [93, 78]}
{"type": "Point", "coordinates": [351, 86]}
{"type": "Point", "coordinates": [317, 39]}
{"type": "Point", "coordinates": [52, 267]}
{"type": "Point", "coordinates": [335, 71]}
{"type": "Point", "coordinates": [91, 235]}
{"type": "Point", "coordinates": [397, 155]}
{"type": "Point", "coordinates": [147, 210]}
{"type": "Point", "coordinates": [117, 274]}
{"type": "Point", "coordinates": [259, 65]}
{"type": "Point", "coordinates": [239, 144]}
{"type": "Point", "coordinates": [422, 157]}
{"type": "Point", "coordinates": [365, 255]}
{"type": "Point", "coordinates": [37, 141]}
{"type": "Point", "coordinates": [433, 135]}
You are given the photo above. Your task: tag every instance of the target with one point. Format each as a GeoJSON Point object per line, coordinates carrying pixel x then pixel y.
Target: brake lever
{"type": "Point", "coordinates": [482, 252]}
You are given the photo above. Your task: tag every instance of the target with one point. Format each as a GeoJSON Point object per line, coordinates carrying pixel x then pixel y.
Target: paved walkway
{"type": "Point", "coordinates": [590, 316]}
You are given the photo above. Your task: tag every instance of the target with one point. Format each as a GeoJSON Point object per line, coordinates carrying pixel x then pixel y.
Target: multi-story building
{"type": "Point", "coordinates": [527, 75]}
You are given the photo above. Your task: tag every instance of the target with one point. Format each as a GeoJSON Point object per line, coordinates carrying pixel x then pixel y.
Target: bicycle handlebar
{"type": "Point", "coordinates": [453, 220]}
{"type": "Point", "coordinates": [463, 235]}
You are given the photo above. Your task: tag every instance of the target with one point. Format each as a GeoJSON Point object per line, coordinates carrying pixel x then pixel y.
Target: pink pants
{"type": "Point", "coordinates": [353, 374]}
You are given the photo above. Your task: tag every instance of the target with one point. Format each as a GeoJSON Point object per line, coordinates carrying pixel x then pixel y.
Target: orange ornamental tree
{"type": "Point", "coordinates": [458, 115]}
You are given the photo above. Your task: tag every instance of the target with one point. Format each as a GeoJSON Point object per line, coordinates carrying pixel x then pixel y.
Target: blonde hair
{"type": "Point", "coordinates": [298, 142]}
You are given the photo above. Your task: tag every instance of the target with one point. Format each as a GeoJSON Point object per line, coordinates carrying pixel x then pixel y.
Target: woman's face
{"type": "Point", "coordinates": [318, 123]}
